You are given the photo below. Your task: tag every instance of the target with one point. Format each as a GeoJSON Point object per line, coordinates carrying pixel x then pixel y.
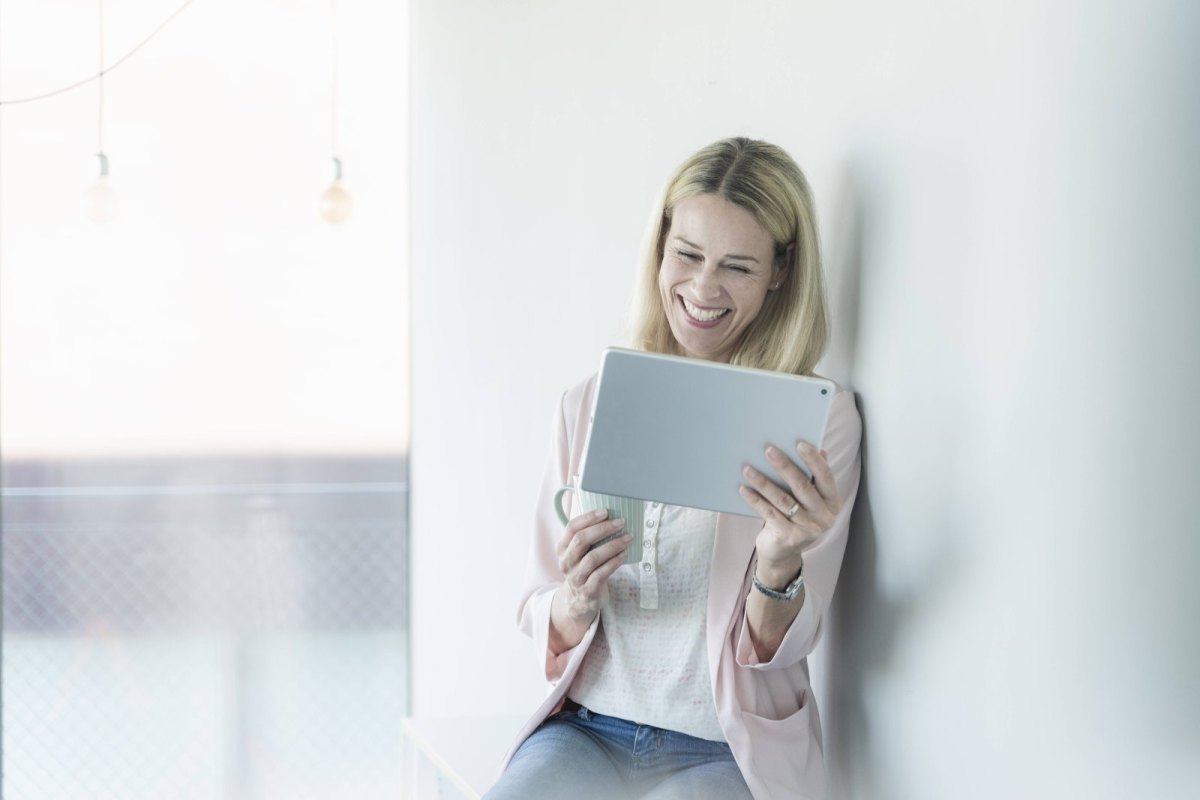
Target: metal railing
{"type": "Point", "coordinates": [245, 639]}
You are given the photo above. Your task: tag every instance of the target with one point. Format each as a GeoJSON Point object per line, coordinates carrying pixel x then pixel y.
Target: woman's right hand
{"type": "Point", "coordinates": [586, 573]}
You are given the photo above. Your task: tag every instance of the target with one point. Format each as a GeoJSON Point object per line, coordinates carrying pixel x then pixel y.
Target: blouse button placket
{"type": "Point", "coordinates": [648, 575]}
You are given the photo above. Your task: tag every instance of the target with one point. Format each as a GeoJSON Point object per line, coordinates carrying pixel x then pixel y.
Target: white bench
{"type": "Point", "coordinates": [454, 758]}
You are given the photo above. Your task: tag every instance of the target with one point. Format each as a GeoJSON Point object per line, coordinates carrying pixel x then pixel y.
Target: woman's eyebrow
{"type": "Point", "coordinates": [701, 249]}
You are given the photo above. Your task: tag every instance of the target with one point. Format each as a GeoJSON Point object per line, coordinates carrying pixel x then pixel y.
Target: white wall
{"type": "Point", "coordinates": [1006, 194]}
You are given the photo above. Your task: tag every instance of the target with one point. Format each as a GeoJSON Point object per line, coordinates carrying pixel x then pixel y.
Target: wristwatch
{"type": "Point", "coordinates": [789, 592]}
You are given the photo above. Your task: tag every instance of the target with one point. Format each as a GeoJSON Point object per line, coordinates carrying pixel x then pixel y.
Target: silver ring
{"type": "Point", "coordinates": [791, 512]}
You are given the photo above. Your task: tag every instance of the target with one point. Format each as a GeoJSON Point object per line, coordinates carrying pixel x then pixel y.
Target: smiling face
{"type": "Point", "coordinates": [717, 267]}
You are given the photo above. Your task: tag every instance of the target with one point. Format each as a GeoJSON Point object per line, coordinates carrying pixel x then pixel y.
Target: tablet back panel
{"type": "Point", "coordinates": [678, 430]}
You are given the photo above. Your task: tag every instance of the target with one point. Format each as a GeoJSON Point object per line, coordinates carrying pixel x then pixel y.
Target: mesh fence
{"type": "Point", "coordinates": [166, 638]}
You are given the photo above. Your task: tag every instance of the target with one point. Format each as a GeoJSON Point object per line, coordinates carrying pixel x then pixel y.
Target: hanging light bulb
{"type": "Point", "coordinates": [101, 200]}
{"type": "Point", "coordinates": [336, 203]}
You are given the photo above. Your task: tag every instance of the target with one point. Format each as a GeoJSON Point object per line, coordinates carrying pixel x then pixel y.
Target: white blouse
{"type": "Point", "coordinates": [647, 662]}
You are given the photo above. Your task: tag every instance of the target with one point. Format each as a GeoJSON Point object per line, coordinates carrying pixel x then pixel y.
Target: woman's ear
{"type": "Point", "coordinates": [781, 274]}
{"type": "Point", "coordinates": [783, 264]}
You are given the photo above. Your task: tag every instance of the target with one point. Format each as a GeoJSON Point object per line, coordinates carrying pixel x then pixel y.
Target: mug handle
{"type": "Point", "coordinates": [562, 515]}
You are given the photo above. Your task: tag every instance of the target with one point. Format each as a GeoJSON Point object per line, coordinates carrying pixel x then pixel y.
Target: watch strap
{"type": "Point", "coordinates": [789, 592]}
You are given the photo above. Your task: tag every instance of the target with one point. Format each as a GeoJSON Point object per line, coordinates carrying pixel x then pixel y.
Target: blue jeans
{"type": "Point", "coordinates": [578, 754]}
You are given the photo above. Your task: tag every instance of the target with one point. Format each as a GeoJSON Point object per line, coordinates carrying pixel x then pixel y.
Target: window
{"type": "Point", "coordinates": [204, 406]}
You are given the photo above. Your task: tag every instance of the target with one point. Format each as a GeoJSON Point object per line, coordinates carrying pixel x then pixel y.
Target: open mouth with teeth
{"type": "Point", "coordinates": [704, 317]}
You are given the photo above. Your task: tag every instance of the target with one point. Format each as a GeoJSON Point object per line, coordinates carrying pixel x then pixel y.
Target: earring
{"type": "Point", "coordinates": [776, 286]}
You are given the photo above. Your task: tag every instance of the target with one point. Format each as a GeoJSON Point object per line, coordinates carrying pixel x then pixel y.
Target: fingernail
{"type": "Point", "coordinates": [618, 523]}
{"type": "Point", "coordinates": [600, 513]}
{"type": "Point", "coordinates": [748, 471]}
{"type": "Point", "coordinates": [627, 537]}
{"type": "Point", "coordinates": [773, 453]}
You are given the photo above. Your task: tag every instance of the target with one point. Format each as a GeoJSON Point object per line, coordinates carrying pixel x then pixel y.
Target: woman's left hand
{"type": "Point", "coordinates": [793, 519]}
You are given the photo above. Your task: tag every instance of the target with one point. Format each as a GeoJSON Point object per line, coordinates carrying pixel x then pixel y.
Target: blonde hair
{"type": "Point", "coordinates": [791, 330]}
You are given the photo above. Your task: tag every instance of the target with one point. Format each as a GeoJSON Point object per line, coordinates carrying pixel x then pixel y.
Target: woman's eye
{"type": "Point", "coordinates": [736, 268]}
{"type": "Point", "coordinates": [685, 254]}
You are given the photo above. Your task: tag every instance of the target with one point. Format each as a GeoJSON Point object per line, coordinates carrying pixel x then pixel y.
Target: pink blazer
{"type": "Point", "coordinates": [766, 709]}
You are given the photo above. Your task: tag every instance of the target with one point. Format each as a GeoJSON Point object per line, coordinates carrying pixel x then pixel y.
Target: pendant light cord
{"type": "Point", "coordinates": [100, 84]}
{"type": "Point", "coordinates": [333, 93]}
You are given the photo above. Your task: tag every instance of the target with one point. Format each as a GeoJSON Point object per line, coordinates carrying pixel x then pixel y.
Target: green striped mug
{"type": "Point", "coordinates": [631, 510]}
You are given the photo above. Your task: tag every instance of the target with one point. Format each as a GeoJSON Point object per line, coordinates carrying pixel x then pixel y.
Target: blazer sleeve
{"type": "Point", "coordinates": [823, 558]}
{"type": "Point", "coordinates": [543, 576]}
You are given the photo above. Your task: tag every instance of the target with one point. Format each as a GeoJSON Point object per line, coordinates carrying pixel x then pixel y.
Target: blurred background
{"type": "Point", "coordinates": [220, 579]}
{"type": "Point", "coordinates": [204, 401]}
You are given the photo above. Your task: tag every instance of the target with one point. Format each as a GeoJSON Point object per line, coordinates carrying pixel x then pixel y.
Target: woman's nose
{"type": "Point", "coordinates": [705, 284]}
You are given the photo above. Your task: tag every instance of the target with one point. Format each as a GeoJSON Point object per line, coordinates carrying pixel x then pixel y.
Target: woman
{"type": "Point", "coordinates": [707, 695]}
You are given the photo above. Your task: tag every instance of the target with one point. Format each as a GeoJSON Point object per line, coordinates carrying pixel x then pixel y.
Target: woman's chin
{"type": "Point", "coordinates": [707, 351]}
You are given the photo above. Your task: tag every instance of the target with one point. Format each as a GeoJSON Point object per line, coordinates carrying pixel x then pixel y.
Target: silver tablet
{"type": "Point", "coordinates": [678, 430]}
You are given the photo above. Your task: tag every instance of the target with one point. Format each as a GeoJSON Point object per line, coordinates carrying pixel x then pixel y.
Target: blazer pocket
{"type": "Point", "coordinates": [787, 752]}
